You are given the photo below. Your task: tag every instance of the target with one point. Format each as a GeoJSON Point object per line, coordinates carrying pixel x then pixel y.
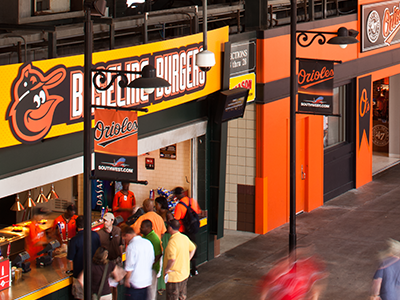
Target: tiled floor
{"type": "Point", "coordinates": [382, 162]}
{"type": "Point", "coordinates": [233, 238]}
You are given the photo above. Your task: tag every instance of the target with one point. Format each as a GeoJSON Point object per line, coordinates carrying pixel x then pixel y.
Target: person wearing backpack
{"type": "Point", "coordinates": [189, 222]}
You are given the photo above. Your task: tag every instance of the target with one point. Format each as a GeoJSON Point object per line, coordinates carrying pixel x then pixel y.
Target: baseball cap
{"type": "Point", "coordinates": [109, 217]}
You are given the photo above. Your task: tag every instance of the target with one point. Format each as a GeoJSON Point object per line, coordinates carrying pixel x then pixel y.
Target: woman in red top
{"type": "Point", "coordinates": [124, 202]}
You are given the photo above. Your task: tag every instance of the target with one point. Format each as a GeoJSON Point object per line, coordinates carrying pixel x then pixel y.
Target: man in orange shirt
{"type": "Point", "coordinates": [179, 214]}
{"type": "Point", "coordinates": [124, 202]}
{"type": "Point", "coordinates": [64, 227]}
{"type": "Point", "coordinates": [36, 239]}
{"type": "Point", "coordinates": [156, 220]}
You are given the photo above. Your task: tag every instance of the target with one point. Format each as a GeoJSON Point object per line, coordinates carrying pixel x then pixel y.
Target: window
{"type": "Point", "coordinates": [335, 126]}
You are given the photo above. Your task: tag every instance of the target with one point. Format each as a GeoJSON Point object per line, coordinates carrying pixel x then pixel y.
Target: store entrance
{"type": "Point", "coordinates": [385, 151]}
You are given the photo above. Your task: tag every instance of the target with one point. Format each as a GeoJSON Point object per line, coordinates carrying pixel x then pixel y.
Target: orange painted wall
{"type": "Point", "coordinates": [272, 177]}
{"type": "Point", "coordinates": [272, 169]}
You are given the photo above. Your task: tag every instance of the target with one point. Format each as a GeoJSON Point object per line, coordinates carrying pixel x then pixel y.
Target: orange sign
{"type": "Point", "coordinates": [115, 132]}
{"type": "Point", "coordinates": [115, 144]}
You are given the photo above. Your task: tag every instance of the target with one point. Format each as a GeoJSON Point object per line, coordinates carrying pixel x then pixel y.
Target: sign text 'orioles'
{"type": "Point", "coordinates": [315, 75]}
{"type": "Point", "coordinates": [115, 129]}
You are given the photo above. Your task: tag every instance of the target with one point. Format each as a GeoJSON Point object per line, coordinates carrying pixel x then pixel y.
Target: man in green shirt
{"type": "Point", "coordinates": [146, 229]}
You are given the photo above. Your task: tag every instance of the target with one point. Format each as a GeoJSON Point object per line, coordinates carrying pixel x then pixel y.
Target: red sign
{"type": "Point", "coordinates": [4, 274]}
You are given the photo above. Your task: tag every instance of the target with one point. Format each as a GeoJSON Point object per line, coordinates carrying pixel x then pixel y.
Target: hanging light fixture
{"type": "Point", "coordinates": [29, 202]}
{"type": "Point", "coordinates": [41, 198]}
{"type": "Point", "coordinates": [17, 206]}
{"type": "Point", "coordinates": [52, 195]}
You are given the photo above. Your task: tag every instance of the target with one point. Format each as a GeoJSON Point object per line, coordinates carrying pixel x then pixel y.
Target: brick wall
{"type": "Point", "coordinates": [241, 168]}
{"type": "Point", "coordinates": [168, 173]}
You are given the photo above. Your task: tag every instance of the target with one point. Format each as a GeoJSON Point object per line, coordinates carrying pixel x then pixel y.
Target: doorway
{"type": "Point", "coordinates": [384, 141]}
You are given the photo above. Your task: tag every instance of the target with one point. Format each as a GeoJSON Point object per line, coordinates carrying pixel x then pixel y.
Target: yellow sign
{"type": "Point", "coordinates": [44, 99]}
{"type": "Point", "coordinates": [247, 81]}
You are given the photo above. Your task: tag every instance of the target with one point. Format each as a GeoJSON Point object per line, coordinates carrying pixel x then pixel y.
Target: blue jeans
{"type": "Point", "coordinates": [136, 294]}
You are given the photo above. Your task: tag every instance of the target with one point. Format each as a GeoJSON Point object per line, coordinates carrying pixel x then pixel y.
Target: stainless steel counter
{"type": "Point", "coordinates": [39, 281]}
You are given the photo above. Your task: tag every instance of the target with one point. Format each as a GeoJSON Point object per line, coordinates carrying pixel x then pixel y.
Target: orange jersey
{"type": "Point", "coordinates": [123, 201]}
{"type": "Point", "coordinates": [68, 229]}
{"type": "Point", "coordinates": [36, 235]}
{"type": "Point", "coordinates": [180, 210]}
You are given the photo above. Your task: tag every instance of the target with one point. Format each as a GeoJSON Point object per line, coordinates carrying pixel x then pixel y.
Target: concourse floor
{"type": "Point", "coordinates": [347, 232]}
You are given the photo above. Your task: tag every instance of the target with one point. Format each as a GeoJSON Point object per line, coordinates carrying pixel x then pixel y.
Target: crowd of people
{"type": "Point", "coordinates": [159, 251]}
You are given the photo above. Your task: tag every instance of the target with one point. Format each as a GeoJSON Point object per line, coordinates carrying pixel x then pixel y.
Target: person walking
{"type": "Point", "coordinates": [138, 264]}
{"type": "Point", "coordinates": [386, 283]}
{"type": "Point", "coordinates": [177, 257]}
{"type": "Point", "coordinates": [100, 261]}
{"type": "Point", "coordinates": [111, 240]}
{"type": "Point", "coordinates": [179, 214]}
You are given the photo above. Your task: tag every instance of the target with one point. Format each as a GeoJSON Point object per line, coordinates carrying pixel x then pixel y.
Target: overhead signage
{"type": "Point", "coordinates": [44, 99]}
{"type": "Point", "coordinates": [232, 104]}
{"type": "Point", "coordinates": [380, 25]}
{"type": "Point", "coordinates": [115, 144]}
{"type": "Point", "coordinates": [315, 79]}
{"type": "Point", "coordinates": [247, 81]}
{"type": "Point", "coordinates": [242, 57]}
{"type": "Point", "coordinates": [364, 107]}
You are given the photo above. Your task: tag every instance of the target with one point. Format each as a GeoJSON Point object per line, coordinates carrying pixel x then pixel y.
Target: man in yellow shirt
{"type": "Point", "coordinates": [177, 257]}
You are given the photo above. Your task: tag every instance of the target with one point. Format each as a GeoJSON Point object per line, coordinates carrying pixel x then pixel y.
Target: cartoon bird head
{"type": "Point", "coordinates": [32, 108]}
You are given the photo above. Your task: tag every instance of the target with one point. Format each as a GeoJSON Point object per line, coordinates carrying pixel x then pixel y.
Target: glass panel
{"type": "Point", "coordinates": [335, 127]}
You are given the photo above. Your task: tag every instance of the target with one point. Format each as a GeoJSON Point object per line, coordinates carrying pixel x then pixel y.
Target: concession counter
{"type": "Point", "coordinates": [49, 282]}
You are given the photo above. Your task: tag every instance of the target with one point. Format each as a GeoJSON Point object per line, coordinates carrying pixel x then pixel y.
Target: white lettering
{"type": "Point", "coordinates": [77, 95]}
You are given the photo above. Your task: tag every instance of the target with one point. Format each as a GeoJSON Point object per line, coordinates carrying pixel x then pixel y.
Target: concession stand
{"type": "Point", "coordinates": [176, 146]}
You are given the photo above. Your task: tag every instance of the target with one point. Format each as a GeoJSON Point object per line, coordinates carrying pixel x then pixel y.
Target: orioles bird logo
{"type": "Point", "coordinates": [32, 108]}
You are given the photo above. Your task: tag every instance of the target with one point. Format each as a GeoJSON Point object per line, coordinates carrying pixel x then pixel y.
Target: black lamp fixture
{"type": "Point", "coordinates": [342, 37]}
{"type": "Point", "coordinates": [148, 81]}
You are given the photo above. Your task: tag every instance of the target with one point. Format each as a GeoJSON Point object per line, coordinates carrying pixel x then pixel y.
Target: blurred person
{"type": "Point", "coordinates": [161, 205]}
{"type": "Point", "coordinates": [386, 282]}
{"type": "Point", "coordinates": [64, 226]}
{"type": "Point", "coordinates": [177, 258]}
{"type": "Point", "coordinates": [179, 214]}
{"type": "Point", "coordinates": [150, 214]}
{"type": "Point", "coordinates": [146, 229]}
{"type": "Point", "coordinates": [111, 240]}
{"type": "Point", "coordinates": [138, 264]}
{"type": "Point", "coordinates": [36, 239]}
{"type": "Point", "coordinates": [75, 255]}
{"type": "Point", "coordinates": [296, 277]}
{"type": "Point", "coordinates": [100, 260]}
{"type": "Point", "coordinates": [124, 202]}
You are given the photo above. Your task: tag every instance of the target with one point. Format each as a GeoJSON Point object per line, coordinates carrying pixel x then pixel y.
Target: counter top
{"type": "Point", "coordinates": [33, 284]}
